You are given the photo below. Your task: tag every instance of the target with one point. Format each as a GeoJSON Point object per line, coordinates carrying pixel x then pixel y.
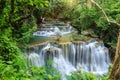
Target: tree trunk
{"type": "Point", "coordinates": [115, 73]}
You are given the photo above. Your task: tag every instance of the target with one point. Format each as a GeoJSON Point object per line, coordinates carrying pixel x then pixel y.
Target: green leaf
{"type": "Point", "coordinates": [31, 3]}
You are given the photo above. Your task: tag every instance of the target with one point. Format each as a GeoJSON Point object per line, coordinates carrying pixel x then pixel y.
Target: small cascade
{"type": "Point", "coordinates": [56, 29]}
{"type": "Point", "coordinates": [52, 30]}
{"type": "Point", "coordinates": [35, 59]}
{"type": "Point", "coordinates": [43, 33]}
{"type": "Point", "coordinates": [48, 53]}
{"type": "Point", "coordinates": [63, 66]}
{"type": "Point", "coordinates": [68, 52]}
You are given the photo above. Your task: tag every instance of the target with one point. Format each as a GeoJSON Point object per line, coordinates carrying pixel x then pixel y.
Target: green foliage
{"type": "Point", "coordinates": [81, 75]}
{"type": "Point", "coordinates": [8, 49]}
{"type": "Point", "coordinates": [19, 70]}
{"type": "Point", "coordinates": [58, 9]}
{"type": "Point", "coordinates": [17, 18]}
{"type": "Point", "coordinates": [14, 71]}
{"type": "Point", "coordinates": [84, 18]}
{"type": "Point", "coordinates": [52, 71]}
{"type": "Point", "coordinates": [42, 74]}
{"type": "Point", "coordinates": [26, 29]}
{"type": "Point", "coordinates": [16, 25]}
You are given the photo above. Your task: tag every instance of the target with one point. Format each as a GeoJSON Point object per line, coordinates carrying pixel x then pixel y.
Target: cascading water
{"type": "Point", "coordinates": [53, 31]}
{"type": "Point", "coordinates": [90, 56]}
{"type": "Point", "coordinates": [87, 55]}
{"type": "Point", "coordinates": [35, 59]}
{"type": "Point", "coordinates": [55, 54]}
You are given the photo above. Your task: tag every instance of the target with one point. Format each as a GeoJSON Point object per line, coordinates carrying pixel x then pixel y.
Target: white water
{"type": "Point", "coordinates": [35, 59]}
{"type": "Point", "coordinates": [90, 56]}
{"type": "Point", "coordinates": [64, 67]}
{"type": "Point", "coordinates": [59, 62]}
{"type": "Point", "coordinates": [54, 31]}
{"type": "Point", "coordinates": [55, 54]}
{"type": "Point", "coordinates": [93, 58]}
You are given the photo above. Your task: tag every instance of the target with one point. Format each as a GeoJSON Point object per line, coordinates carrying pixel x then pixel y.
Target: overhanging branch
{"type": "Point", "coordinates": [23, 18]}
{"type": "Point", "coordinates": [114, 22]}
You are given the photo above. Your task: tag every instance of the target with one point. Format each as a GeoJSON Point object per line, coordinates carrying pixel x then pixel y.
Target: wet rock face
{"type": "Point", "coordinates": [89, 33]}
{"type": "Point", "coordinates": [112, 53]}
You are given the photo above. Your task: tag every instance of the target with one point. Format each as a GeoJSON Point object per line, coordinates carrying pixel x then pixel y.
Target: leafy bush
{"type": "Point", "coordinates": [19, 70]}
{"type": "Point", "coordinates": [8, 49]}
{"type": "Point", "coordinates": [13, 66]}
{"type": "Point", "coordinates": [81, 75]}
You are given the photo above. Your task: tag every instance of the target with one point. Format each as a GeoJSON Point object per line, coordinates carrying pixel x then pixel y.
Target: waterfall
{"type": "Point", "coordinates": [91, 56]}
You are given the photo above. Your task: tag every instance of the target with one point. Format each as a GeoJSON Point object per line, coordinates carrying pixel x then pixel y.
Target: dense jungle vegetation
{"type": "Point", "coordinates": [20, 18]}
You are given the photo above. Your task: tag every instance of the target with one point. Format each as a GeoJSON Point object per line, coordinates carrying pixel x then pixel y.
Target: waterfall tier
{"type": "Point", "coordinates": [53, 31]}
{"type": "Point", "coordinates": [90, 56]}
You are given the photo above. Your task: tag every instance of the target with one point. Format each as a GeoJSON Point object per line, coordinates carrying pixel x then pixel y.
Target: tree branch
{"type": "Point", "coordinates": [23, 18]}
{"type": "Point", "coordinates": [114, 22]}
